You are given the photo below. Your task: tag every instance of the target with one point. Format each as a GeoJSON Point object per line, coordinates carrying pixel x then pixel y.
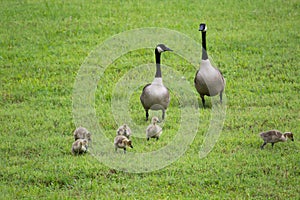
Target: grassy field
{"type": "Point", "coordinates": [43, 45]}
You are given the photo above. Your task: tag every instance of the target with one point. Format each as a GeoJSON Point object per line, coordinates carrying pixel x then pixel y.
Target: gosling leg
{"type": "Point", "coordinates": [124, 150]}
{"type": "Point", "coordinates": [272, 145]}
{"type": "Point", "coordinates": [262, 146]}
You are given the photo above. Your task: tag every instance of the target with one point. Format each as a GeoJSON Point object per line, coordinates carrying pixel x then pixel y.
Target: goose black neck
{"type": "Point", "coordinates": [157, 60]}
{"type": "Point", "coordinates": [204, 53]}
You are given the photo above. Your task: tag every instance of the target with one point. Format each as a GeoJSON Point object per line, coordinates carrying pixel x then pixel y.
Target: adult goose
{"type": "Point", "coordinates": [208, 80]}
{"type": "Point", "coordinates": [155, 96]}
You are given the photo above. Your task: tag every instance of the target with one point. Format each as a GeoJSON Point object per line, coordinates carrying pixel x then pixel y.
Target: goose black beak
{"type": "Point", "coordinates": [293, 139]}
{"type": "Point", "coordinates": [168, 49]}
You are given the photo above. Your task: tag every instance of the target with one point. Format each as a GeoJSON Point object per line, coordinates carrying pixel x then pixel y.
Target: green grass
{"type": "Point", "coordinates": [43, 45]}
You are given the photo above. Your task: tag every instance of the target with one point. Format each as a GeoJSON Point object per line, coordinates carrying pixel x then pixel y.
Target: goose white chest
{"type": "Point", "coordinates": [156, 95]}
{"type": "Point", "coordinates": [209, 80]}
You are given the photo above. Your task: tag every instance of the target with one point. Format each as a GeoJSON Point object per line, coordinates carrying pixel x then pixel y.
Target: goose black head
{"type": "Point", "coordinates": [161, 48]}
{"type": "Point", "coordinates": [202, 27]}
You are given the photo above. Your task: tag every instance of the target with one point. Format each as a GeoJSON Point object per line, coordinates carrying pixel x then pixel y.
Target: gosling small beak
{"type": "Point", "coordinates": [293, 139]}
{"type": "Point", "coordinates": [131, 146]}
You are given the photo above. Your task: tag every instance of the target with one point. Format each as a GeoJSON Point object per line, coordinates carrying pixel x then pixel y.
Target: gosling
{"type": "Point", "coordinates": [82, 133]}
{"type": "Point", "coordinates": [124, 130]}
{"type": "Point", "coordinates": [153, 130]}
{"type": "Point", "coordinates": [274, 136]}
{"type": "Point", "coordinates": [80, 146]}
{"type": "Point", "coordinates": [122, 142]}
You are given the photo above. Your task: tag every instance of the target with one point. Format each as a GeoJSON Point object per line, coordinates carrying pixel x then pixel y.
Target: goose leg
{"type": "Point", "coordinates": [147, 114]}
{"type": "Point", "coordinates": [203, 100]}
{"type": "Point", "coordinates": [262, 146]}
{"type": "Point", "coordinates": [147, 139]}
{"type": "Point", "coordinates": [221, 96]}
{"type": "Point", "coordinates": [272, 145]}
{"type": "Point", "coordinates": [163, 114]}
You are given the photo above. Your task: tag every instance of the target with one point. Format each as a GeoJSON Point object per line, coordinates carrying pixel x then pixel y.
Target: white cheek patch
{"type": "Point", "coordinates": [159, 49]}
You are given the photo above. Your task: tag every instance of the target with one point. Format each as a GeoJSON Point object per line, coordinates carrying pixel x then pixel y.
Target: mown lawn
{"type": "Point", "coordinates": [43, 46]}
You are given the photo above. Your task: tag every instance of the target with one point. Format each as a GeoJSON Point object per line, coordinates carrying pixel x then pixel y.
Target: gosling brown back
{"type": "Point", "coordinates": [274, 136]}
